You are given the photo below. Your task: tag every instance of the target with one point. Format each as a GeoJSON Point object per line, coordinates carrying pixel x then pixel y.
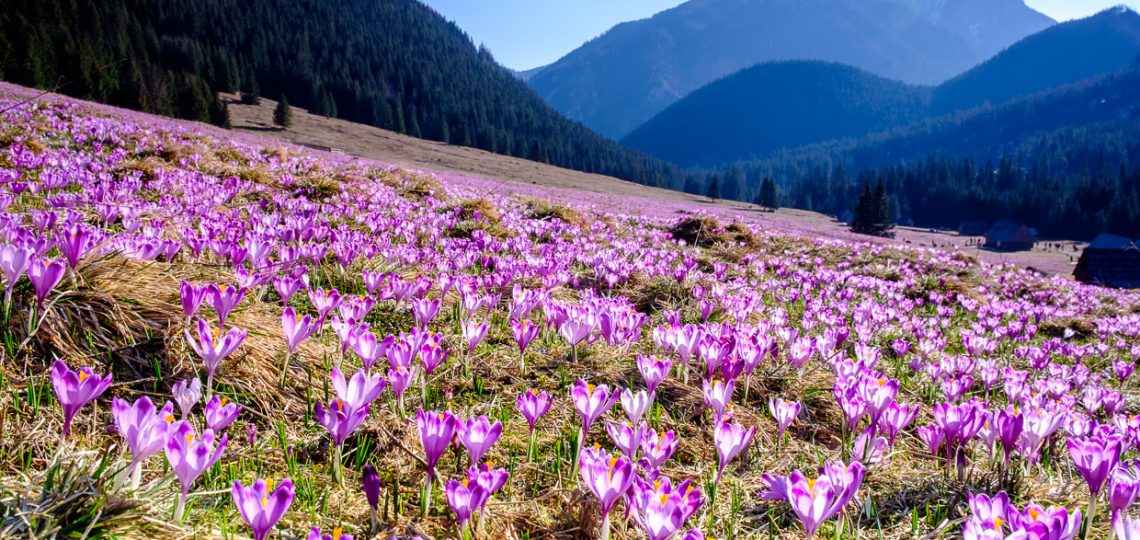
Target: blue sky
{"type": "Point", "coordinates": [523, 34]}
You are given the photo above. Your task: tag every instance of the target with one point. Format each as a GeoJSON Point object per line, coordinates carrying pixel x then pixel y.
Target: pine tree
{"type": "Point", "coordinates": [733, 187]}
{"type": "Point", "coordinates": [713, 191]}
{"type": "Point", "coordinates": [767, 197]}
{"type": "Point", "coordinates": [873, 212]}
{"type": "Point", "coordinates": [283, 114]}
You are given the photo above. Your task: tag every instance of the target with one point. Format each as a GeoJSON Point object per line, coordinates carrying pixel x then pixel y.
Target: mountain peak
{"type": "Point", "coordinates": [619, 80]}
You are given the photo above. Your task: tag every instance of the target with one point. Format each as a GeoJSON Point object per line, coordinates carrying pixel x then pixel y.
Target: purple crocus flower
{"type": "Point", "coordinates": [635, 404]}
{"type": "Point", "coordinates": [608, 478]}
{"type": "Point", "coordinates": [424, 311]}
{"type": "Point", "coordinates": [262, 506]}
{"type": "Point", "coordinates": [212, 347]}
{"type": "Point", "coordinates": [187, 393]}
{"type": "Point", "coordinates": [718, 396]}
{"type": "Point", "coordinates": [488, 478]}
{"type": "Point", "coordinates": [478, 435]}
{"type": "Point", "coordinates": [362, 389]}
{"type": "Point", "coordinates": [1054, 523]}
{"type": "Point", "coordinates": [784, 412]}
{"type": "Point", "coordinates": [192, 297]}
{"type": "Point", "coordinates": [1095, 457]}
{"type": "Point", "coordinates": [895, 418]}
{"type": "Point", "coordinates": [370, 484]}
{"type": "Point", "coordinates": [190, 455]}
{"type": "Point", "coordinates": [464, 499]}
{"type": "Point", "coordinates": [220, 413]}
{"type": "Point", "coordinates": [474, 332]}
{"type": "Point", "coordinates": [14, 262]}
{"type": "Point", "coordinates": [591, 402]}
{"type": "Point", "coordinates": [1123, 486]}
{"type": "Point", "coordinates": [143, 428]}
{"type": "Point", "coordinates": [653, 371]}
{"type": "Point", "coordinates": [286, 287]}
{"type": "Point", "coordinates": [370, 349]}
{"type": "Point", "coordinates": [436, 432]}
{"type": "Point", "coordinates": [731, 439]}
{"type": "Point", "coordinates": [657, 448]}
{"type": "Point", "coordinates": [810, 500]}
{"type": "Point", "coordinates": [1009, 425]}
{"type": "Point", "coordinates": [45, 275]}
{"type": "Point", "coordinates": [524, 332]}
{"type": "Point", "coordinates": [627, 437]}
{"type": "Point", "coordinates": [816, 501]}
{"type": "Point", "coordinates": [296, 329]}
{"type": "Point", "coordinates": [533, 406]}
{"type": "Point", "coordinates": [74, 244]}
{"type": "Point", "coordinates": [341, 419]}
{"type": "Point", "coordinates": [224, 299]}
{"type": "Point", "coordinates": [73, 389]}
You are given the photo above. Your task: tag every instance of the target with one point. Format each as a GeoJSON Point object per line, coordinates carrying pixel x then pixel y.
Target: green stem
{"type": "Point", "coordinates": [605, 528]}
{"type": "Point", "coordinates": [1087, 526]}
{"type": "Point", "coordinates": [530, 449]}
{"type": "Point", "coordinates": [338, 470]}
{"type": "Point", "coordinates": [179, 507]}
{"type": "Point", "coordinates": [578, 452]}
{"type": "Point", "coordinates": [285, 368]}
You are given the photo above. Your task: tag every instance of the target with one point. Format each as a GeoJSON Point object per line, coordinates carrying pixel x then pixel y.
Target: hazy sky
{"type": "Point", "coordinates": [523, 34]}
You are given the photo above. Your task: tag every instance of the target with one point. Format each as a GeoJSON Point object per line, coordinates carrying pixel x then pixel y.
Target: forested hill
{"type": "Point", "coordinates": [1064, 161]}
{"type": "Point", "coordinates": [395, 64]}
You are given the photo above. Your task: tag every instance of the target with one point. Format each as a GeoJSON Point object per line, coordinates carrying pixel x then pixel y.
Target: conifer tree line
{"type": "Point", "coordinates": [394, 64]}
{"type": "Point", "coordinates": [872, 212]}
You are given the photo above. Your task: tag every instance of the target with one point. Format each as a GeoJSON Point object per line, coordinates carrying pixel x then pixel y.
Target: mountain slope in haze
{"type": "Point", "coordinates": [619, 80]}
{"type": "Point", "coordinates": [1063, 161]}
{"type": "Point", "coordinates": [989, 131]}
{"type": "Point", "coordinates": [764, 108]}
{"type": "Point", "coordinates": [395, 64]}
{"type": "Point", "coordinates": [775, 105]}
{"type": "Point", "coordinates": [1062, 54]}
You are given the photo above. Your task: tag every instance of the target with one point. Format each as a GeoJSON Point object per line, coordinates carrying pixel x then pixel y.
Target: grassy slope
{"type": "Point", "coordinates": [142, 324]}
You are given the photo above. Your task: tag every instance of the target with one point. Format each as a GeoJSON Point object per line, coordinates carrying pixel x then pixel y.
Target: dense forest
{"type": "Point", "coordinates": [1064, 162]}
{"type": "Point", "coordinates": [395, 64]}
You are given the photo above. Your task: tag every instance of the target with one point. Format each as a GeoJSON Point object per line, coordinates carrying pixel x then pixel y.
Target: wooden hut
{"type": "Point", "coordinates": [1008, 235]}
{"type": "Point", "coordinates": [1110, 261]}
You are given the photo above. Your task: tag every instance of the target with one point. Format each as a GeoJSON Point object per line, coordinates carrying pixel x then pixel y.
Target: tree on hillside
{"type": "Point", "coordinates": [872, 212]}
{"type": "Point", "coordinates": [767, 197]}
{"type": "Point", "coordinates": [283, 114]}
{"type": "Point", "coordinates": [733, 188]}
{"type": "Point", "coordinates": [713, 191]}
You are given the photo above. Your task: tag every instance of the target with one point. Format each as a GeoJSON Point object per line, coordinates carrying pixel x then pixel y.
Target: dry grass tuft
{"type": "Point", "coordinates": [657, 294]}
{"type": "Point", "coordinates": [479, 209]}
{"type": "Point", "coordinates": [543, 210]}
{"type": "Point", "coordinates": [697, 230]}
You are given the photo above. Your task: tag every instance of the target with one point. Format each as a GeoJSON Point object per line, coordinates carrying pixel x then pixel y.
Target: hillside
{"type": "Point", "coordinates": [751, 113]}
{"type": "Point", "coordinates": [1063, 54]}
{"type": "Point", "coordinates": [1064, 160]}
{"type": "Point", "coordinates": [621, 79]}
{"type": "Point", "coordinates": [338, 140]}
{"type": "Point", "coordinates": [776, 105]}
{"type": "Point", "coordinates": [212, 334]}
{"type": "Point", "coordinates": [395, 64]}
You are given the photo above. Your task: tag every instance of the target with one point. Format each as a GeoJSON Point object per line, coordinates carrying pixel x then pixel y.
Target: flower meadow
{"type": "Point", "coordinates": [214, 337]}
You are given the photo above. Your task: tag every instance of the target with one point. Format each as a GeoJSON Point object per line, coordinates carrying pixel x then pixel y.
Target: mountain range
{"type": "Point", "coordinates": [783, 105]}
{"type": "Point", "coordinates": [621, 79]}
